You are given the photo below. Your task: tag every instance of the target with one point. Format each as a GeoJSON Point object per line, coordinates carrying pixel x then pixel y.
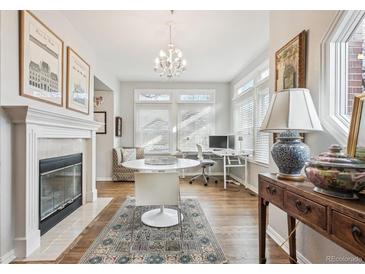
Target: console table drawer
{"type": "Point", "coordinates": [273, 194]}
{"type": "Point", "coordinates": [306, 210]}
{"type": "Point", "coordinates": [348, 230]}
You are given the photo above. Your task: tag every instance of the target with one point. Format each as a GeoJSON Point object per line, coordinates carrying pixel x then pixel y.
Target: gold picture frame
{"type": "Point", "coordinates": [78, 81]}
{"type": "Point", "coordinates": [40, 61]}
{"type": "Point", "coordinates": [293, 52]}
{"type": "Point", "coordinates": [290, 63]}
{"type": "Point", "coordinates": [357, 129]}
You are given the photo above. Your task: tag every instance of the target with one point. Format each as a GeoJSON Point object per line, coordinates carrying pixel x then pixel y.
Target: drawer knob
{"type": "Point", "coordinates": [302, 207]}
{"type": "Point", "coordinates": [271, 190]}
{"type": "Point", "coordinates": [357, 235]}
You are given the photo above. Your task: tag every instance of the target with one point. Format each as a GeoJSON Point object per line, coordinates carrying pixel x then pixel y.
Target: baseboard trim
{"type": "Point", "coordinates": [247, 185]}
{"type": "Point", "coordinates": [104, 179]}
{"type": "Point", "coordinates": [277, 238]}
{"type": "Point", "coordinates": [8, 257]}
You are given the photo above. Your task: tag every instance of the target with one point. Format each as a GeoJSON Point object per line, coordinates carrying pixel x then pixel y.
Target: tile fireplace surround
{"type": "Point", "coordinates": [30, 127]}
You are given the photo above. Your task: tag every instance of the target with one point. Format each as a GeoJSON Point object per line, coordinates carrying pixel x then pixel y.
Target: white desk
{"type": "Point", "coordinates": [230, 158]}
{"type": "Point", "coordinates": [163, 217]}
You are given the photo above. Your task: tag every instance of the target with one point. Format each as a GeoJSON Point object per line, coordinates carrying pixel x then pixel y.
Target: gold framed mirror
{"type": "Point", "coordinates": [356, 139]}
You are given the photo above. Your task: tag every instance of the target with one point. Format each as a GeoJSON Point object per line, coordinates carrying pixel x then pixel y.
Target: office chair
{"type": "Point", "coordinates": [204, 163]}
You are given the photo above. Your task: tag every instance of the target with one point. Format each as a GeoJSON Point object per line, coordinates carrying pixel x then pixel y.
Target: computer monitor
{"type": "Point", "coordinates": [221, 141]}
{"type": "Point", "coordinates": [231, 141]}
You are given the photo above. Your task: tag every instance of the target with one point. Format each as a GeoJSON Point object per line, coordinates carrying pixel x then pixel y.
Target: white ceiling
{"type": "Point", "coordinates": [216, 44]}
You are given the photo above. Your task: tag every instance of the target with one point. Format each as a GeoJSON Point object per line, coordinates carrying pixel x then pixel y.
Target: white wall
{"type": "Point", "coordinates": [6, 190]}
{"type": "Point", "coordinates": [284, 25]}
{"type": "Point", "coordinates": [105, 142]}
{"type": "Point", "coordinates": [10, 59]}
{"type": "Point", "coordinates": [9, 95]}
{"type": "Point", "coordinates": [222, 115]}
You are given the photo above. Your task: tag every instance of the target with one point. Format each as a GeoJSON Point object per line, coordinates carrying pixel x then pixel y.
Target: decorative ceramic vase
{"type": "Point", "coordinates": [290, 155]}
{"type": "Point", "coordinates": [336, 174]}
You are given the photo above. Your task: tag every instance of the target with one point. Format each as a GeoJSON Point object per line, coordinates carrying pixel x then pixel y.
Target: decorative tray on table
{"type": "Point", "coordinates": [161, 160]}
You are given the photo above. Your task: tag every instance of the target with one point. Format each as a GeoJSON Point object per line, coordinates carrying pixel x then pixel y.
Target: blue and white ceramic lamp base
{"type": "Point", "coordinates": [290, 154]}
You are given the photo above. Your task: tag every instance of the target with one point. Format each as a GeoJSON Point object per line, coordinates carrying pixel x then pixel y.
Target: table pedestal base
{"type": "Point", "coordinates": [161, 217]}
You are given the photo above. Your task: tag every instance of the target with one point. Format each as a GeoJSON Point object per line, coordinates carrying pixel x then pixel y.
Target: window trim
{"type": "Point", "coordinates": [332, 71]}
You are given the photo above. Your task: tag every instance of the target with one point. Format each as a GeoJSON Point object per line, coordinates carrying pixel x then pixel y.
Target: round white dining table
{"type": "Point", "coordinates": [161, 217]}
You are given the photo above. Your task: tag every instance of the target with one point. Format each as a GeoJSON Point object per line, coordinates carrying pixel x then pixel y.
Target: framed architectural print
{"type": "Point", "coordinates": [290, 63]}
{"type": "Point", "coordinates": [40, 61]}
{"type": "Point", "coordinates": [118, 126]}
{"type": "Point", "coordinates": [100, 116]}
{"type": "Point", "coordinates": [78, 82]}
{"type": "Point", "coordinates": [356, 139]}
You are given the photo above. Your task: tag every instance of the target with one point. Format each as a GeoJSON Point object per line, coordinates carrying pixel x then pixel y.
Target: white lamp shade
{"type": "Point", "coordinates": [291, 109]}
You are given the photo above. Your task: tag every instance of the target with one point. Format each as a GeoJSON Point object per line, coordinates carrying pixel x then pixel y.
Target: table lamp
{"type": "Point", "coordinates": [291, 111]}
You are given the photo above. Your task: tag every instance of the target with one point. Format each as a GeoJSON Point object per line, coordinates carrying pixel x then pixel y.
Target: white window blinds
{"type": "Point", "coordinates": [153, 128]}
{"type": "Point", "coordinates": [195, 124]}
{"type": "Point", "coordinates": [249, 111]}
{"type": "Point", "coordinates": [244, 122]}
{"type": "Point", "coordinates": [261, 139]}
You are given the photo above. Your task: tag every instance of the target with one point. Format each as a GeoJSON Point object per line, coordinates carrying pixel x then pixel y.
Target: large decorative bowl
{"type": "Point", "coordinates": [335, 174]}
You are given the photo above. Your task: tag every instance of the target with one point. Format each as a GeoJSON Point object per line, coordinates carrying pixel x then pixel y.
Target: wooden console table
{"type": "Point", "coordinates": [341, 221]}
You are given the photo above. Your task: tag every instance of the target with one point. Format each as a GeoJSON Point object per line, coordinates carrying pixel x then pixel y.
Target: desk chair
{"type": "Point", "coordinates": [161, 189]}
{"type": "Point", "coordinates": [204, 163]}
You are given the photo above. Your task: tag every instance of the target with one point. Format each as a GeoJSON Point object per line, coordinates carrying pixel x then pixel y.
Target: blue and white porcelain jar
{"type": "Point", "coordinates": [290, 155]}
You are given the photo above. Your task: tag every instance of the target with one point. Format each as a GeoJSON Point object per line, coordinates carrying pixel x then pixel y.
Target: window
{"type": "Point", "coordinates": [264, 74]}
{"type": "Point", "coordinates": [343, 71]}
{"type": "Point", "coordinates": [153, 128]}
{"type": "Point", "coordinates": [355, 68]}
{"type": "Point", "coordinates": [195, 124]}
{"type": "Point", "coordinates": [152, 96]}
{"type": "Point", "coordinates": [166, 120]}
{"type": "Point", "coordinates": [249, 84]}
{"type": "Point", "coordinates": [244, 122]}
{"type": "Point", "coordinates": [196, 96]}
{"type": "Point", "coordinates": [262, 140]}
{"type": "Point", "coordinates": [249, 111]}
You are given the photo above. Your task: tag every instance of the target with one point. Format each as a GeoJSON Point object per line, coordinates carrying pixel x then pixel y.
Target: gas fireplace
{"type": "Point", "coordinates": [60, 189]}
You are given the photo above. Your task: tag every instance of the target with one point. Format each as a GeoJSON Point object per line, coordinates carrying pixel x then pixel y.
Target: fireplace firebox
{"type": "Point", "coordinates": [60, 189]}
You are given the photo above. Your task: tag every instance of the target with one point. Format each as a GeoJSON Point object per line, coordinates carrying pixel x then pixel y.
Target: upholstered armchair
{"type": "Point", "coordinates": [120, 173]}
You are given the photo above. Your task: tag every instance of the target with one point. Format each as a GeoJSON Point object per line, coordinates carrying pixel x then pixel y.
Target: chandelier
{"type": "Point", "coordinates": [170, 63]}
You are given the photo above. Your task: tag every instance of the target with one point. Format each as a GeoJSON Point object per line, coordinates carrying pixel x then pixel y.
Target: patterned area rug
{"type": "Point", "coordinates": [155, 245]}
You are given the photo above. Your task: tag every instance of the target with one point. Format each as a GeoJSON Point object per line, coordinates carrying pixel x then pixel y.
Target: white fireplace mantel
{"type": "Point", "coordinates": [30, 124]}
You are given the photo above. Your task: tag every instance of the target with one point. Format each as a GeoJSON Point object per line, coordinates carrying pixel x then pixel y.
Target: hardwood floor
{"type": "Point", "coordinates": [232, 215]}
